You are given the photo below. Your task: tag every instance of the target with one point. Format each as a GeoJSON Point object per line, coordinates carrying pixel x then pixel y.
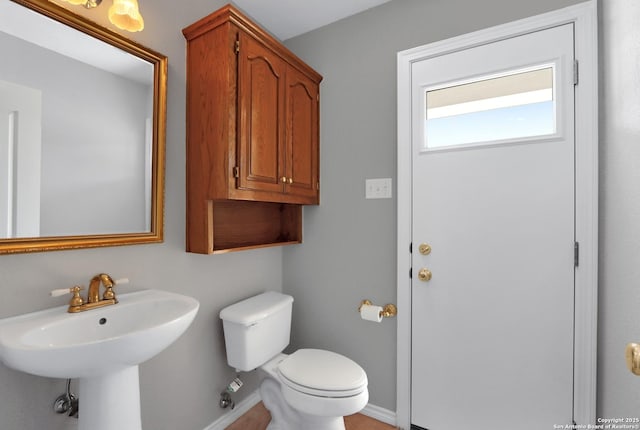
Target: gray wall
{"type": "Point", "coordinates": [349, 247]}
{"type": "Point", "coordinates": [619, 319]}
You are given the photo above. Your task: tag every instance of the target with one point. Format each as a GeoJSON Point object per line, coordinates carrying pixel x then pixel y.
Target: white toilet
{"type": "Point", "coordinates": [310, 389]}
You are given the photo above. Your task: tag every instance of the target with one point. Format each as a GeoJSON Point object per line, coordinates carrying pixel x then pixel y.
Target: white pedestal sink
{"type": "Point", "coordinates": [102, 347]}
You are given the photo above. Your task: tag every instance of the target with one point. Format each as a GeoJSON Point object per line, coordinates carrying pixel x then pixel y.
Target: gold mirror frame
{"type": "Point", "coordinates": [159, 62]}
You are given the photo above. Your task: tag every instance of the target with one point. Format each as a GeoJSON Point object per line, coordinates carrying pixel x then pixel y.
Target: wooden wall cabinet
{"type": "Point", "coordinates": [252, 136]}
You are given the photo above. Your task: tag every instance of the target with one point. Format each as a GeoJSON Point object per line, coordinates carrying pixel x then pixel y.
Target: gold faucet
{"type": "Point", "coordinates": [93, 295]}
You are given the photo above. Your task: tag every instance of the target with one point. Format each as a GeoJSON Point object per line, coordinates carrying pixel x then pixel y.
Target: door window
{"type": "Point", "coordinates": [510, 106]}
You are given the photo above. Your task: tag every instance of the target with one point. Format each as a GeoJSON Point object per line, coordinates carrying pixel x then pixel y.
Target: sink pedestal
{"type": "Point", "coordinates": [110, 401]}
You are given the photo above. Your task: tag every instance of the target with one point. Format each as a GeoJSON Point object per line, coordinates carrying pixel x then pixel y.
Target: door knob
{"type": "Point", "coordinates": [425, 249]}
{"type": "Point", "coordinates": [424, 274]}
{"type": "Point", "coordinates": [632, 355]}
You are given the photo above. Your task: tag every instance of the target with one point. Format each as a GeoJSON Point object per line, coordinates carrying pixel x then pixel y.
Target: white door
{"type": "Point", "coordinates": [493, 197]}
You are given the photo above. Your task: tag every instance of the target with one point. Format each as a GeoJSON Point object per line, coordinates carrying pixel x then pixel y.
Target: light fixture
{"type": "Point", "coordinates": [124, 14]}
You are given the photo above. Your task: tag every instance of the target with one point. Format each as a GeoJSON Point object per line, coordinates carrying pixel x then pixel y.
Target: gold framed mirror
{"type": "Point", "coordinates": [85, 116]}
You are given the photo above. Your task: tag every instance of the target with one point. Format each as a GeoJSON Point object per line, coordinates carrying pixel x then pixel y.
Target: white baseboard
{"type": "Point", "coordinates": [381, 414]}
{"type": "Point", "coordinates": [376, 412]}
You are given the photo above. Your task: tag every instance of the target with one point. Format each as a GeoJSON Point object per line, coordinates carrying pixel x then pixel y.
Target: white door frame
{"type": "Point", "coordinates": [584, 17]}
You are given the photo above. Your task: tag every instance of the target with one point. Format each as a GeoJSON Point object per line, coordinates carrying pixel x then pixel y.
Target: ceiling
{"type": "Point", "coordinates": [289, 18]}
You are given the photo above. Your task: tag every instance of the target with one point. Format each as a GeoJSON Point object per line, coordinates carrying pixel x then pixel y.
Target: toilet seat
{"type": "Point", "coordinates": [322, 373]}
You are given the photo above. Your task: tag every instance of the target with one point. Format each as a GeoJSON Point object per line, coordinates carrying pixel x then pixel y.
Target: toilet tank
{"type": "Point", "coordinates": [256, 329]}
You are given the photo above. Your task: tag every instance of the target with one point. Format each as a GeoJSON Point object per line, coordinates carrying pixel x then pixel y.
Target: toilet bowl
{"type": "Point", "coordinates": [310, 389]}
{"type": "Point", "coordinates": [314, 389]}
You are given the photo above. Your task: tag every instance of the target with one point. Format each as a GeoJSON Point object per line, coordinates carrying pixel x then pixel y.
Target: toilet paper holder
{"type": "Point", "coordinates": [389, 310]}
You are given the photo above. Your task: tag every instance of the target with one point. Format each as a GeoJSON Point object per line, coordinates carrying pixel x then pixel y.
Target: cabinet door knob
{"type": "Point", "coordinates": [283, 179]}
{"type": "Point", "coordinates": [291, 180]}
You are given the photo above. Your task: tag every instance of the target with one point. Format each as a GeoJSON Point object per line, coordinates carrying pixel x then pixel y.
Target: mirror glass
{"type": "Point", "coordinates": [82, 117]}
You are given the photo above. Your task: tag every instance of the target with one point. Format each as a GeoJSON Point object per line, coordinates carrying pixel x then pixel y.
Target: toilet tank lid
{"type": "Point", "coordinates": [256, 308]}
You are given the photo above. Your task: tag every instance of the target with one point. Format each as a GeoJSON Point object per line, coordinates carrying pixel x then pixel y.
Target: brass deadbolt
{"type": "Point", "coordinates": [424, 275]}
{"type": "Point", "coordinates": [424, 249]}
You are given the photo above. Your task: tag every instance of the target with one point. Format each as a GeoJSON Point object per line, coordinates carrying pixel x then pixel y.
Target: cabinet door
{"type": "Point", "coordinates": [302, 168]}
{"type": "Point", "coordinates": [261, 81]}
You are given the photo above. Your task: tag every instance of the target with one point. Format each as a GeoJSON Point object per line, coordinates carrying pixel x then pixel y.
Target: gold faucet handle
{"type": "Point", "coordinates": [63, 291]}
{"type": "Point", "coordinates": [109, 294]}
{"type": "Point", "coordinates": [76, 300]}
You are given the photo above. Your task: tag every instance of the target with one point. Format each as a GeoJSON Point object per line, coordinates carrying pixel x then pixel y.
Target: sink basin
{"type": "Point", "coordinates": [102, 347]}
{"type": "Point", "coordinates": [57, 344]}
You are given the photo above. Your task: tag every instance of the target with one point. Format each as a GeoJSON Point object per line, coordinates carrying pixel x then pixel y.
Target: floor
{"type": "Point", "coordinates": [257, 418]}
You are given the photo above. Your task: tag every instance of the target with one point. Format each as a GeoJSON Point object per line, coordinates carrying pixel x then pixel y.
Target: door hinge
{"type": "Point", "coordinates": [576, 73]}
{"type": "Point", "coordinates": [410, 247]}
{"type": "Point", "coordinates": [318, 185]}
{"type": "Point", "coordinates": [236, 172]}
{"type": "Point", "coordinates": [576, 254]}
{"type": "Point", "coordinates": [410, 272]}
{"type": "Point", "coordinates": [237, 47]}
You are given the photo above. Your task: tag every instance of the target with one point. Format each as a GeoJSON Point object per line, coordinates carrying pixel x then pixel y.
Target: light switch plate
{"type": "Point", "coordinates": [379, 188]}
